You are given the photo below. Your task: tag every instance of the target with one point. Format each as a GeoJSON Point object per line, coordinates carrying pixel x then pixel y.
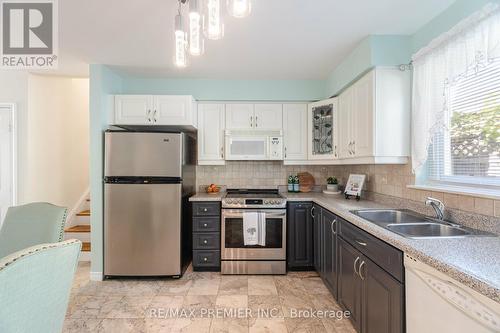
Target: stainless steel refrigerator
{"type": "Point", "coordinates": [149, 177]}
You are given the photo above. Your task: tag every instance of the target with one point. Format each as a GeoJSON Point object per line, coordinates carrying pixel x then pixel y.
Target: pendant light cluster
{"type": "Point", "coordinates": [205, 20]}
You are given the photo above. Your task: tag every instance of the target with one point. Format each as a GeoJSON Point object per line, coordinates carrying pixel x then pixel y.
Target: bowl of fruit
{"type": "Point", "coordinates": [213, 189]}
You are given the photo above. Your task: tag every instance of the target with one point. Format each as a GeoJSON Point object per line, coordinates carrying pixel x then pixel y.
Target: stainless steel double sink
{"type": "Point", "coordinates": [414, 225]}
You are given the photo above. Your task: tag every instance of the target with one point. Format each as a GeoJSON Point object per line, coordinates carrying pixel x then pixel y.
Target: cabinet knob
{"type": "Point", "coordinates": [205, 209]}
{"type": "Point", "coordinates": [205, 225]}
{"type": "Point", "coordinates": [205, 259]}
{"type": "Point", "coordinates": [205, 241]}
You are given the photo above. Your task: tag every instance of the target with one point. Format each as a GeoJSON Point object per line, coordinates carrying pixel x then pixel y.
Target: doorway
{"type": "Point", "coordinates": [7, 159]}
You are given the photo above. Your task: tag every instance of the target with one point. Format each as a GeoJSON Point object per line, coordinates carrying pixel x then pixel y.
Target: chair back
{"type": "Point", "coordinates": [35, 285]}
{"type": "Point", "coordinates": [31, 224]}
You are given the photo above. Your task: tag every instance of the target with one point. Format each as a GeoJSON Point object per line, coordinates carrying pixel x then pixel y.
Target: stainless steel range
{"type": "Point", "coordinates": [238, 254]}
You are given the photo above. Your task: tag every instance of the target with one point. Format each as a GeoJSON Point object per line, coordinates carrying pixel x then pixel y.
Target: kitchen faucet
{"type": "Point", "coordinates": [437, 205]}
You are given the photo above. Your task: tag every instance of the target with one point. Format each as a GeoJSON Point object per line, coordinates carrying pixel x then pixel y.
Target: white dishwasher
{"type": "Point", "coordinates": [437, 303]}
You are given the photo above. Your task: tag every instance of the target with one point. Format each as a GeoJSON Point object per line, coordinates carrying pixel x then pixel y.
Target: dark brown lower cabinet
{"type": "Point", "coordinates": [373, 296]}
{"type": "Point", "coordinates": [329, 258]}
{"type": "Point", "coordinates": [382, 300]}
{"type": "Point", "coordinates": [300, 252]}
{"type": "Point", "coordinates": [349, 288]}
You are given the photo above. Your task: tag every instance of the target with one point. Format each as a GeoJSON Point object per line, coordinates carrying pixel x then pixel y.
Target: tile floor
{"type": "Point", "coordinates": [203, 302]}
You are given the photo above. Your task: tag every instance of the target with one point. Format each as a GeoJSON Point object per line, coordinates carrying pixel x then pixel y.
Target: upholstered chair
{"type": "Point", "coordinates": [31, 224]}
{"type": "Point", "coordinates": [35, 285]}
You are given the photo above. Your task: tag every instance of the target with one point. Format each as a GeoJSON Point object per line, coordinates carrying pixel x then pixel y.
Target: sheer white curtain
{"type": "Point", "coordinates": [470, 45]}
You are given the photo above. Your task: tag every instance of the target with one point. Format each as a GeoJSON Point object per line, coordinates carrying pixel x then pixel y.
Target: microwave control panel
{"type": "Point", "coordinates": [275, 148]}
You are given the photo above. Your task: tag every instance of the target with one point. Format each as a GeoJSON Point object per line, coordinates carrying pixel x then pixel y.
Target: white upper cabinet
{"type": "Point", "coordinates": [294, 133]}
{"type": "Point", "coordinates": [175, 110]}
{"type": "Point", "coordinates": [346, 130]}
{"type": "Point", "coordinates": [211, 120]}
{"type": "Point", "coordinates": [240, 116]}
{"type": "Point", "coordinates": [133, 109]}
{"type": "Point", "coordinates": [374, 118]}
{"type": "Point", "coordinates": [248, 116]}
{"type": "Point", "coordinates": [268, 116]}
{"type": "Point", "coordinates": [322, 130]}
{"type": "Point", "coordinates": [155, 110]}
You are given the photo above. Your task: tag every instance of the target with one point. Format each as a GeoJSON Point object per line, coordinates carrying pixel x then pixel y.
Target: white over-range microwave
{"type": "Point", "coordinates": [254, 145]}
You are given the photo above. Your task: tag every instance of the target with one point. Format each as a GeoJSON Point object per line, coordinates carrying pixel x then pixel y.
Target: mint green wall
{"type": "Point", "coordinates": [358, 61]}
{"type": "Point", "coordinates": [459, 10]}
{"type": "Point", "coordinates": [374, 50]}
{"type": "Point", "coordinates": [387, 50]}
{"type": "Point", "coordinates": [226, 90]}
{"type": "Point", "coordinates": [103, 84]}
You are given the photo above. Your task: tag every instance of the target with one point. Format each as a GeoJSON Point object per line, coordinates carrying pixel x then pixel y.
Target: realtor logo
{"type": "Point", "coordinates": [29, 34]}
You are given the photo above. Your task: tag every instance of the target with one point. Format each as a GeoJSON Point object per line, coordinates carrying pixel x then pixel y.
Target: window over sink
{"type": "Point", "coordinates": [466, 151]}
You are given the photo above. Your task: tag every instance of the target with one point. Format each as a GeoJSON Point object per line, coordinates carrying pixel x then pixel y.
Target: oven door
{"type": "Point", "coordinates": [233, 247]}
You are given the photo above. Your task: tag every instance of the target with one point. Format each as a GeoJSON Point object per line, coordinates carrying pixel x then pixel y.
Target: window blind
{"type": "Point", "coordinates": [467, 150]}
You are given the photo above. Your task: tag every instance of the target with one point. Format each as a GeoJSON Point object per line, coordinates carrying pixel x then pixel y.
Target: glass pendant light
{"type": "Point", "coordinates": [215, 27]}
{"type": "Point", "coordinates": [180, 41]}
{"type": "Point", "coordinates": [239, 8]}
{"type": "Point", "coordinates": [196, 42]}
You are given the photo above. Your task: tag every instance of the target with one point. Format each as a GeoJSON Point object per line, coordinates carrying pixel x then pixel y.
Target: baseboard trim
{"type": "Point", "coordinates": [96, 276]}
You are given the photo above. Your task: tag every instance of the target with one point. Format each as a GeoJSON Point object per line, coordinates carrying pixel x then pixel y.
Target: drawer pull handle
{"type": "Point", "coordinates": [205, 241]}
{"type": "Point", "coordinates": [361, 243]}
{"type": "Point", "coordinates": [355, 263]}
{"type": "Point", "coordinates": [360, 271]}
{"type": "Point", "coordinates": [205, 259]}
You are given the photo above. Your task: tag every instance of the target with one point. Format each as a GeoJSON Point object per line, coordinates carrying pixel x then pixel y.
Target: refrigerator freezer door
{"type": "Point", "coordinates": [136, 154]}
{"type": "Point", "coordinates": [142, 229]}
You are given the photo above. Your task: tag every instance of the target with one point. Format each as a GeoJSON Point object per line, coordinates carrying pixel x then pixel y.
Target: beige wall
{"type": "Point", "coordinates": [391, 180]}
{"type": "Point", "coordinates": [57, 140]}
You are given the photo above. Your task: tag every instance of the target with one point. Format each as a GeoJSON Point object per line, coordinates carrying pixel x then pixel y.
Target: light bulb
{"type": "Point", "coordinates": [180, 43]}
{"type": "Point", "coordinates": [215, 28]}
{"type": "Point", "coordinates": [239, 8]}
{"type": "Point", "coordinates": [195, 37]}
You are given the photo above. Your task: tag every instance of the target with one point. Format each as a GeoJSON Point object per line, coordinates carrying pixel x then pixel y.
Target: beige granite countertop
{"type": "Point", "coordinates": [473, 261]}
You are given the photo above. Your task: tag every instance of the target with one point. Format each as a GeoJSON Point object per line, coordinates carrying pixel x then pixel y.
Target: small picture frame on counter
{"type": "Point", "coordinates": [354, 186]}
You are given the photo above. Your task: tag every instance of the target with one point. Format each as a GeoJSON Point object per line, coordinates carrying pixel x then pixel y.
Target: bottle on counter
{"type": "Point", "coordinates": [290, 184]}
{"type": "Point", "coordinates": [296, 184]}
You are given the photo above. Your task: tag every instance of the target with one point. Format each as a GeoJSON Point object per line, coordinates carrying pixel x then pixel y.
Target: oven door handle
{"type": "Point", "coordinates": [240, 215]}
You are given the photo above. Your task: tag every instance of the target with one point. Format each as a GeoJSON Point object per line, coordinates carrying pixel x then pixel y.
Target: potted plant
{"type": "Point", "coordinates": [332, 184]}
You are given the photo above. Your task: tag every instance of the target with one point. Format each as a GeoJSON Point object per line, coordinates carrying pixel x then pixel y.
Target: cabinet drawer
{"type": "Point", "coordinates": [206, 241]}
{"type": "Point", "coordinates": [383, 254]}
{"type": "Point", "coordinates": [206, 258]}
{"type": "Point", "coordinates": [206, 224]}
{"type": "Point", "coordinates": [206, 209]}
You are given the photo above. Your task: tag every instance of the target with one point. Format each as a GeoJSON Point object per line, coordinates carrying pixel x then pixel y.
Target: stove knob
{"type": "Point", "coordinates": [266, 202]}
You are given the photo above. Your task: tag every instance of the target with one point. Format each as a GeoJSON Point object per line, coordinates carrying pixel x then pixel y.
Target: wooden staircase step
{"type": "Point", "coordinates": [86, 246]}
{"type": "Point", "coordinates": [78, 228]}
{"type": "Point", "coordinates": [84, 213]}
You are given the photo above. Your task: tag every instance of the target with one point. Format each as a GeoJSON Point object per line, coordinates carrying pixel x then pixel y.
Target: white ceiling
{"type": "Point", "coordinates": [281, 39]}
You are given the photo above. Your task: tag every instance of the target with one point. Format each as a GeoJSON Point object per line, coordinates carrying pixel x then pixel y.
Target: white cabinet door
{"type": "Point", "coordinates": [173, 110]}
{"type": "Point", "coordinates": [239, 116]}
{"type": "Point", "coordinates": [322, 130]}
{"type": "Point", "coordinates": [268, 117]}
{"type": "Point", "coordinates": [211, 134]}
{"type": "Point", "coordinates": [133, 109]}
{"type": "Point", "coordinates": [362, 120]}
{"type": "Point", "coordinates": [345, 123]}
{"type": "Point", "coordinates": [295, 131]}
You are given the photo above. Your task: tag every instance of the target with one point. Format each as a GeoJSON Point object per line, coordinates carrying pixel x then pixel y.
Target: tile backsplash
{"type": "Point", "coordinates": [251, 174]}
{"type": "Point", "coordinates": [383, 182]}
